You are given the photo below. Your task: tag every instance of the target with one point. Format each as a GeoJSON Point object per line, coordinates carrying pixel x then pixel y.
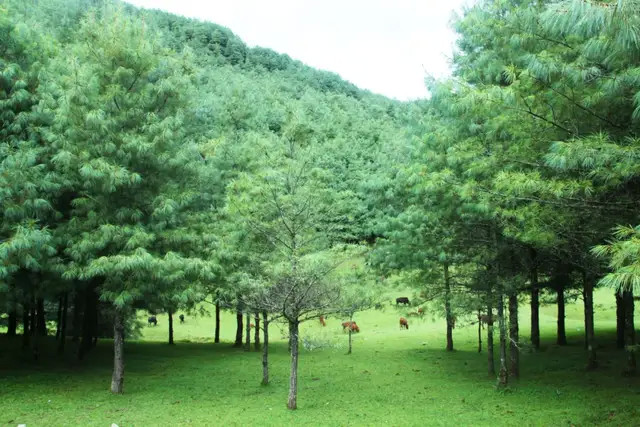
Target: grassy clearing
{"type": "Point", "coordinates": [393, 378]}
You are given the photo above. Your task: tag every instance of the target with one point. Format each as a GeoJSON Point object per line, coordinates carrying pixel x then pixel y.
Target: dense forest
{"type": "Point", "coordinates": [150, 162]}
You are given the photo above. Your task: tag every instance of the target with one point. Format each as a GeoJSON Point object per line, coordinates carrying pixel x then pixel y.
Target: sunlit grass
{"type": "Point", "coordinates": [393, 377]}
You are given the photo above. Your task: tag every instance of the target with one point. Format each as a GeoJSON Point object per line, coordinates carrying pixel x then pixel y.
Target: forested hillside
{"type": "Point", "coordinates": [152, 163]}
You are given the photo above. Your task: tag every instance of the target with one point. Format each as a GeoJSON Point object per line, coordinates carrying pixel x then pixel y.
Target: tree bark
{"type": "Point", "coordinates": [32, 317]}
{"type": "Point", "coordinates": [514, 350]}
{"type": "Point", "coordinates": [238, 342]}
{"type": "Point", "coordinates": [562, 334]}
{"type": "Point", "coordinates": [503, 375]}
{"type": "Point", "coordinates": [77, 311]}
{"type": "Point", "coordinates": [216, 338]}
{"type": "Point", "coordinates": [89, 320]}
{"type": "Point", "coordinates": [592, 361]}
{"type": "Point", "coordinates": [535, 303]}
{"type": "Point", "coordinates": [447, 307]}
{"type": "Point", "coordinates": [59, 318]}
{"type": "Point", "coordinates": [479, 332]}
{"type": "Point", "coordinates": [630, 332]}
{"type": "Point", "coordinates": [350, 332]}
{"type": "Point", "coordinates": [26, 333]}
{"type": "Point", "coordinates": [170, 327]}
{"type": "Point", "coordinates": [292, 402]}
{"type": "Point", "coordinates": [41, 319]}
{"type": "Point", "coordinates": [490, 359]}
{"type": "Point", "coordinates": [247, 342]}
{"type": "Point", "coordinates": [12, 325]}
{"type": "Point", "coordinates": [63, 324]}
{"type": "Point", "coordinates": [265, 349]}
{"type": "Point", "coordinates": [117, 379]}
{"type": "Point", "coordinates": [256, 338]}
{"type": "Point", "coordinates": [620, 320]}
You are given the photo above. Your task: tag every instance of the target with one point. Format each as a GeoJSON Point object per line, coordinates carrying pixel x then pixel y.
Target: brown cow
{"type": "Point", "coordinates": [351, 325]}
{"type": "Point", "coordinates": [403, 323]}
{"type": "Point", "coordinates": [322, 321]}
{"type": "Point", "coordinates": [485, 319]}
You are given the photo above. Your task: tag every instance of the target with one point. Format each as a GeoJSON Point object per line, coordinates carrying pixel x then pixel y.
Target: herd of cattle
{"type": "Point", "coordinates": [346, 326]}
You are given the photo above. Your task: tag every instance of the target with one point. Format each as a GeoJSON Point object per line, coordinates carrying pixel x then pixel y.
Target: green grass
{"type": "Point", "coordinates": [393, 378]}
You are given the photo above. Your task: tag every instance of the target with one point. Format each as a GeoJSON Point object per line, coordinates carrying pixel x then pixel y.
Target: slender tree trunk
{"type": "Point", "coordinates": [490, 359]}
{"type": "Point", "coordinates": [620, 320]}
{"type": "Point", "coordinates": [503, 375]}
{"type": "Point", "coordinates": [256, 338]}
{"type": "Point", "coordinates": [514, 339]}
{"type": "Point", "coordinates": [562, 334]}
{"type": "Point", "coordinates": [170, 312]}
{"type": "Point", "coordinates": [77, 316]}
{"type": "Point", "coordinates": [238, 342]}
{"type": "Point", "coordinates": [89, 320]}
{"type": "Point", "coordinates": [247, 342]}
{"type": "Point", "coordinates": [630, 332]}
{"type": "Point", "coordinates": [63, 323]}
{"type": "Point", "coordinates": [350, 332]}
{"type": "Point", "coordinates": [592, 361]}
{"type": "Point", "coordinates": [117, 379]}
{"type": "Point", "coordinates": [292, 403]}
{"type": "Point", "coordinates": [479, 332]}
{"type": "Point", "coordinates": [265, 349]}
{"type": "Point", "coordinates": [447, 307]}
{"type": "Point", "coordinates": [535, 303]}
{"type": "Point", "coordinates": [12, 325]}
{"type": "Point", "coordinates": [216, 338]}
{"type": "Point", "coordinates": [59, 318]}
{"type": "Point", "coordinates": [32, 317]}
{"type": "Point", "coordinates": [26, 333]}
{"type": "Point", "coordinates": [41, 319]}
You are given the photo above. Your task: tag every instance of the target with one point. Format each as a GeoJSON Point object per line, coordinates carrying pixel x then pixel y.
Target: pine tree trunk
{"type": "Point", "coordinates": [620, 320]}
{"type": "Point", "coordinates": [447, 307]}
{"type": "Point", "coordinates": [292, 402]}
{"type": "Point", "coordinates": [32, 318]}
{"type": "Point", "coordinates": [350, 332]}
{"type": "Point", "coordinates": [12, 325]}
{"type": "Point", "coordinates": [479, 332]}
{"type": "Point", "coordinates": [562, 334]}
{"type": "Point", "coordinates": [170, 327]}
{"type": "Point", "coordinates": [41, 319]}
{"type": "Point", "coordinates": [265, 349]}
{"type": "Point", "coordinates": [117, 379]}
{"type": "Point", "coordinates": [26, 333]}
{"type": "Point", "coordinates": [630, 332]}
{"type": "Point", "coordinates": [592, 362]}
{"type": "Point", "coordinates": [77, 316]}
{"type": "Point", "coordinates": [535, 304]}
{"type": "Point", "coordinates": [490, 359]}
{"type": "Point", "coordinates": [216, 338]}
{"type": "Point", "coordinates": [35, 344]}
{"type": "Point", "coordinates": [256, 338]}
{"type": "Point", "coordinates": [514, 340]}
{"type": "Point", "coordinates": [89, 320]}
{"type": "Point", "coordinates": [238, 342]}
{"type": "Point", "coordinates": [59, 318]}
{"type": "Point", "coordinates": [247, 342]}
{"type": "Point", "coordinates": [503, 375]}
{"type": "Point", "coordinates": [63, 324]}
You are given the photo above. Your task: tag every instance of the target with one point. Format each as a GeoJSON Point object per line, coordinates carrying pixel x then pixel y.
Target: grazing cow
{"type": "Point", "coordinates": [420, 310]}
{"type": "Point", "coordinates": [322, 321]}
{"type": "Point", "coordinates": [402, 300]}
{"type": "Point", "coordinates": [152, 319]}
{"type": "Point", "coordinates": [181, 318]}
{"type": "Point", "coordinates": [350, 325]}
{"type": "Point", "coordinates": [251, 326]}
{"type": "Point", "coordinates": [403, 323]}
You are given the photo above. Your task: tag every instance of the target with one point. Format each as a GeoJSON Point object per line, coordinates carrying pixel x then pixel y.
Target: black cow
{"type": "Point", "coordinates": [152, 319]}
{"type": "Point", "coordinates": [402, 300]}
{"type": "Point", "coordinates": [181, 318]}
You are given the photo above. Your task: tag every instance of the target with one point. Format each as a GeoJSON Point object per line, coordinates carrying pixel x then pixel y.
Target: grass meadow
{"type": "Point", "coordinates": [394, 377]}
